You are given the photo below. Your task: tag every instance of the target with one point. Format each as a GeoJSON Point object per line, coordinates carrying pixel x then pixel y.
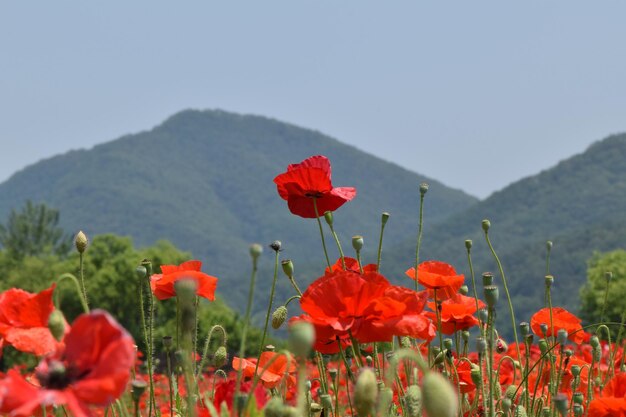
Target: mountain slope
{"type": "Point", "coordinates": [580, 204]}
{"type": "Point", "coordinates": [203, 179]}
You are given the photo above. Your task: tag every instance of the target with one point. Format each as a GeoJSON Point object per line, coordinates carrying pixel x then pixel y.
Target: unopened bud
{"type": "Point", "coordinates": [220, 357]}
{"type": "Point", "coordinates": [81, 241]}
{"type": "Point", "coordinates": [561, 336]}
{"type": "Point", "coordinates": [274, 408]}
{"type": "Point", "coordinates": [328, 216]}
{"type": "Point", "coordinates": [141, 272]}
{"type": "Point", "coordinates": [463, 290]}
{"type": "Point", "coordinates": [549, 280]}
{"type": "Point", "coordinates": [594, 341]}
{"type": "Point", "coordinates": [256, 250]}
{"type": "Point", "coordinates": [506, 405]}
{"type": "Point", "coordinates": [520, 411]}
{"type": "Point", "coordinates": [439, 398]}
{"type": "Point", "coordinates": [486, 225]}
{"type": "Point", "coordinates": [384, 218]}
{"type": "Point", "coordinates": [524, 328]}
{"type": "Point", "coordinates": [301, 338]}
{"type": "Point", "coordinates": [549, 245]}
{"type": "Point", "coordinates": [279, 316]}
{"type": "Point", "coordinates": [56, 324]}
{"type": "Point", "coordinates": [543, 346]}
{"type": "Point", "coordinates": [287, 267]}
{"type": "Point", "coordinates": [510, 392]}
{"type": "Point", "coordinates": [501, 346]}
{"type": "Point", "coordinates": [468, 244]}
{"type": "Point", "coordinates": [423, 188]}
{"type": "Point", "coordinates": [365, 392]}
{"type": "Point", "coordinates": [357, 242]}
{"type": "Point", "coordinates": [413, 401]}
{"type": "Point", "coordinates": [608, 275]}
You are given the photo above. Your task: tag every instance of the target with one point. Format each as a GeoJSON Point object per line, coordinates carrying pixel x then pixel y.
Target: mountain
{"type": "Point", "coordinates": [203, 179]}
{"type": "Point", "coordinates": [580, 205]}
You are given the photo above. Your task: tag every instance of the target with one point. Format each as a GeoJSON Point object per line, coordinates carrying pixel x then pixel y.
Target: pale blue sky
{"type": "Point", "coordinates": [475, 94]}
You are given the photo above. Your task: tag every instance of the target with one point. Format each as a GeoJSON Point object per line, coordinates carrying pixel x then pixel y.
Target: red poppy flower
{"type": "Point", "coordinates": [457, 313]}
{"type": "Point", "coordinates": [274, 374]}
{"type": "Point", "coordinates": [439, 276]}
{"type": "Point", "coordinates": [163, 284]}
{"type": "Point", "coordinates": [366, 305]}
{"type": "Point", "coordinates": [92, 369]}
{"type": "Point", "coordinates": [24, 321]}
{"type": "Point", "coordinates": [351, 265]}
{"type": "Point", "coordinates": [326, 338]}
{"type": "Point", "coordinates": [612, 401]}
{"type": "Point", "coordinates": [308, 181]}
{"type": "Point", "coordinates": [225, 393]}
{"type": "Point", "coordinates": [561, 319]}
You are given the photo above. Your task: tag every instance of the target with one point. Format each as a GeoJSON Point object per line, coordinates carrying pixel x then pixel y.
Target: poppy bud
{"type": "Point", "coordinates": [81, 241]}
{"type": "Point", "coordinates": [315, 409]}
{"type": "Point", "coordinates": [561, 336]}
{"type": "Point", "coordinates": [594, 341]}
{"type": "Point", "coordinates": [274, 408]}
{"type": "Point", "coordinates": [287, 267]}
{"type": "Point", "coordinates": [545, 412]}
{"type": "Point", "coordinates": [279, 316]}
{"type": "Point", "coordinates": [549, 279]}
{"type": "Point", "coordinates": [491, 295]}
{"type": "Point", "coordinates": [440, 357]}
{"type": "Point", "coordinates": [141, 272]}
{"type": "Point", "coordinates": [365, 392]}
{"type": "Point", "coordinates": [578, 410]}
{"type": "Point", "coordinates": [167, 343]}
{"type": "Point", "coordinates": [256, 250]}
{"type": "Point", "coordinates": [487, 279]}
{"type": "Point", "coordinates": [481, 345]}
{"type": "Point", "coordinates": [608, 275]}
{"type": "Point", "coordinates": [423, 188]}
{"type": "Point", "coordinates": [544, 329]}
{"type": "Point", "coordinates": [384, 218]}
{"type": "Point", "coordinates": [543, 346]}
{"type": "Point", "coordinates": [560, 403]}
{"type": "Point", "coordinates": [549, 245]}
{"type": "Point", "coordinates": [510, 392]}
{"type": "Point", "coordinates": [501, 346]}
{"type": "Point", "coordinates": [405, 342]}
{"type": "Point", "coordinates": [468, 244]}
{"type": "Point", "coordinates": [146, 263]}
{"type": "Point", "coordinates": [328, 216]}
{"type": "Point", "coordinates": [269, 348]}
{"type": "Point", "coordinates": [520, 411]}
{"type": "Point", "coordinates": [597, 354]}
{"type": "Point", "coordinates": [301, 338]}
{"type": "Point", "coordinates": [447, 343]}
{"type": "Point", "coordinates": [386, 399]}
{"type": "Point", "coordinates": [138, 388]}
{"type": "Point", "coordinates": [463, 290]}
{"type": "Point", "coordinates": [486, 225]}
{"type": "Point", "coordinates": [465, 335]}
{"type": "Point", "coordinates": [578, 397]}
{"type": "Point", "coordinates": [439, 398]}
{"type": "Point", "coordinates": [482, 315]}
{"type": "Point", "coordinates": [369, 360]}
{"type": "Point", "coordinates": [56, 324]}
{"type": "Point", "coordinates": [475, 374]}
{"type": "Point", "coordinates": [220, 357]}
{"type": "Point", "coordinates": [575, 370]}
{"type": "Point", "coordinates": [275, 245]}
{"type": "Point", "coordinates": [524, 328]}
{"type": "Point", "coordinates": [327, 401]}
{"type": "Point", "coordinates": [506, 405]}
{"type": "Point", "coordinates": [357, 242]}
{"type": "Point", "coordinates": [413, 401]}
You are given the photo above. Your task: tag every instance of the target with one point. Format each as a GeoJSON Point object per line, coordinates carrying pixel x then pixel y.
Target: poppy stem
{"type": "Point", "coordinates": [319, 223]}
{"type": "Point", "coordinates": [150, 340]}
{"type": "Point", "coordinates": [82, 276]}
{"type": "Point", "coordinates": [385, 217]}
{"type": "Point", "coordinates": [207, 343]}
{"type": "Point", "coordinates": [244, 331]}
{"type": "Point", "coordinates": [72, 278]}
{"type": "Point", "coordinates": [468, 247]}
{"type": "Point", "coordinates": [423, 190]}
{"type": "Point", "coordinates": [269, 310]}
{"type": "Point", "coordinates": [329, 221]}
{"type": "Point", "coordinates": [506, 290]}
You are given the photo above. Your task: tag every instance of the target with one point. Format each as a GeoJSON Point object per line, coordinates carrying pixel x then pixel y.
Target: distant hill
{"type": "Point", "coordinates": [580, 204]}
{"type": "Point", "coordinates": [203, 179]}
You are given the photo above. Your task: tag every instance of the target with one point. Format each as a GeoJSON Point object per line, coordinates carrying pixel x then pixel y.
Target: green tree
{"type": "Point", "coordinates": [593, 294]}
{"type": "Point", "coordinates": [33, 231]}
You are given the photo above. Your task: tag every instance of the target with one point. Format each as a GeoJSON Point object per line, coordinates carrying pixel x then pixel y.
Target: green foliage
{"type": "Point", "coordinates": [592, 295]}
{"type": "Point", "coordinates": [112, 284]}
{"type": "Point", "coordinates": [33, 231]}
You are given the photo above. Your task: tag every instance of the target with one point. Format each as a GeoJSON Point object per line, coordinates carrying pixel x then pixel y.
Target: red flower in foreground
{"type": "Point", "coordinates": [225, 393]}
{"type": "Point", "coordinates": [309, 181]}
{"type": "Point", "coordinates": [612, 401]}
{"type": "Point", "coordinates": [439, 276]}
{"type": "Point", "coordinates": [93, 369]}
{"type": "Point", "coordinates": [274, 373]}
{"type": "Point", "coordinates": [163, 284]}
{"type": "Point", "coordinates": [24, 321]}
{"type": "Point", "coordinates": [561, 319]}
{"type": "Point", "coordinates": [366, 305]}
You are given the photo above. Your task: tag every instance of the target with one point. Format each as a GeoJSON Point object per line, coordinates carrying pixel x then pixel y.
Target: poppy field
{"type": "Point", "coordinates": [361, 347]}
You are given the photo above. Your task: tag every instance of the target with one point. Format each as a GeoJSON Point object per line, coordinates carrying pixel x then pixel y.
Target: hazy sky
{"type": "Point", "coordinates": [475, 94]}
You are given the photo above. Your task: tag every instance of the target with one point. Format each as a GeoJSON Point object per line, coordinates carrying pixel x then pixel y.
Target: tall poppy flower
{"type": "Point", "coordinates": [351, 265]}
{"type": "Point", "coordinates": [440, 278]}
{"type": "Point", "coordinates": [366, 305]}
{"type": "Point", "coordinates": [561, 319]}
{"type": "Point", "coordinates": [24, 320]}
{"type": "Point", "coordinates": [92, 369]}
{"type": "Point", "coordinates": [163, 284]}
{"type": "Point", "coordinates": [309, 183]}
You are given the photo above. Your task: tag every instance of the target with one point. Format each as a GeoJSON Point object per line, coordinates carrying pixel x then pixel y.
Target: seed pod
{"type": "Point", "coordinates": [439, 396]}
{"type": "Point", "coordinates": [279, 316]}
